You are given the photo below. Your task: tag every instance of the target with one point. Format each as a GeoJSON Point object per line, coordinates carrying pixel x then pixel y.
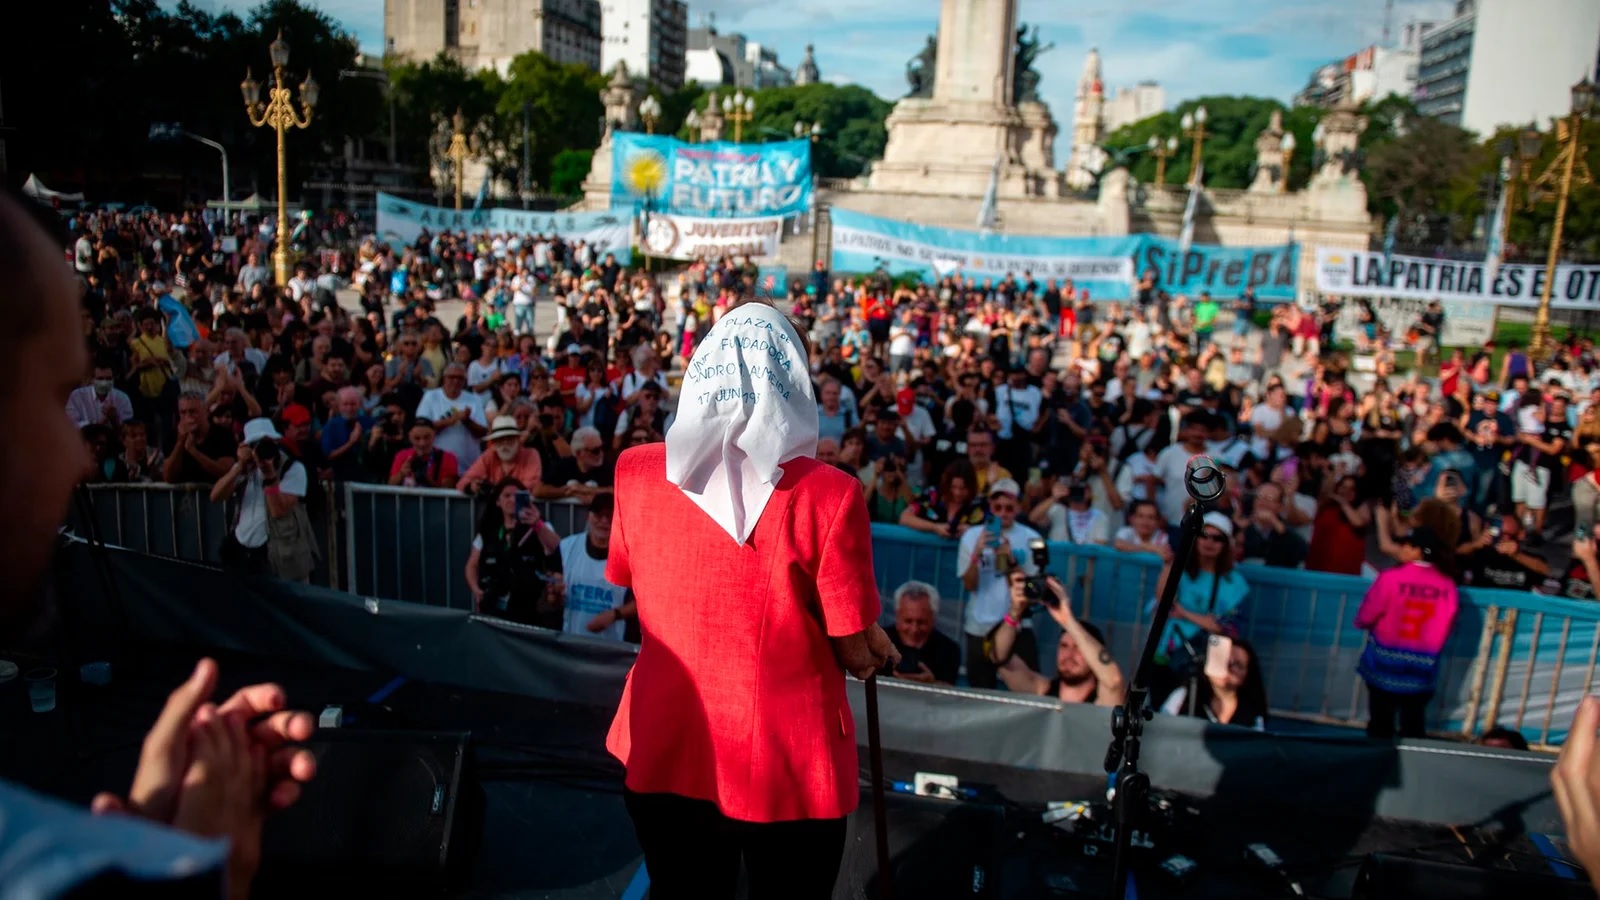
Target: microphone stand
{"type": "Point", "coordinates": [1132, 791]}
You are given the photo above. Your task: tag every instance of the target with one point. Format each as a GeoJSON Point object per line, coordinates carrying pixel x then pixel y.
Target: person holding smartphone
{"type": "Point", "coordinates": [514, 546]}
{"type": "Point", "coordinates": [1229, 691]}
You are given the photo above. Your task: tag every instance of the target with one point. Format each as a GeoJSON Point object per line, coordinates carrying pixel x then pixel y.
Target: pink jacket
{"type": "Point", "coordinates": [1411, 608]}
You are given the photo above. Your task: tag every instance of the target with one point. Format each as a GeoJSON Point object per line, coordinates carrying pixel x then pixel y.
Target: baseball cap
{"type": "Point", "coordinates": [1005, 486]}
{"type": "Point", "coordinates": [575, 349]}
{"type": "Point", "coordinates": [603, 504]}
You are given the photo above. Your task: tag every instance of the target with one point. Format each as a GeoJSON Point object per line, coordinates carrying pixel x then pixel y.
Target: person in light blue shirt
{"type": "Point", "coordinates": [1210, 596]}
{"type": "Point", "coordinates": [203, 767]}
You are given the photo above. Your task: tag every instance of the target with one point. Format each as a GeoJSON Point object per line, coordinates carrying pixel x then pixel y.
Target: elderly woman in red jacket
{"type": "Point", "coordinates": [750, 564]}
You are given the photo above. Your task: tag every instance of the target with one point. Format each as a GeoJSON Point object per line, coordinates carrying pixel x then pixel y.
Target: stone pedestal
{"type": "Point", "coordinates": [597, 187]}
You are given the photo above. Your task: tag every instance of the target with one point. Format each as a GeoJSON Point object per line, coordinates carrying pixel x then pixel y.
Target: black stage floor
{"type": "Point", "coordinates": [555, 826]}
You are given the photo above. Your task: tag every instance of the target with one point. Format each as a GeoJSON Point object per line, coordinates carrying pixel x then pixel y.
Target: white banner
{"type": "Point", "coordinates": [691, 237]}
{"type": "Point", "coordinates": [1466, 324]}
{"type": "Point", "coordinates": [1362, 273]}
{"type": "Point", "coordinates": [401, 221]}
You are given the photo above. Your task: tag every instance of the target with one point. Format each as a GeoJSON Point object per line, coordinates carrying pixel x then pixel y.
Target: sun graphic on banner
{"type": "Point", "coordinates": [645, 172]}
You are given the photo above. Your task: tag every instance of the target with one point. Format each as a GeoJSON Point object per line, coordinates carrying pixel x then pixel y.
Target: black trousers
{"type": "Point", "coordinates": [693, 851]}
{"type": "Point", "coordinates": [1385, 706]}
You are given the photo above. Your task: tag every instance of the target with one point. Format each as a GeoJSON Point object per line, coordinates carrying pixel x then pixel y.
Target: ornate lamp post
{"type": "Point", "coordinates": [1516, 165]}
{"type": "Point", "coordinates": [1194, 126]}
{"type": "Point", "coordinates": [1569, 137]}
{"type": "Point", "coordinates": [1163, 151]}
{"type": "Point", "coordinates": [458, 150]}
{"type": "Point", "coordinates": [1288, 154]}
{"type": "Point", "coordinates": [692, 122]}
{"type": "Point", "coordinates": [739, 109]}
{"type": "Point", "coordinates": [279, 115]}
{"type": "Point", "coordinates": [801, 129]}
{"type": "Point", "coordinates": [650, 112]}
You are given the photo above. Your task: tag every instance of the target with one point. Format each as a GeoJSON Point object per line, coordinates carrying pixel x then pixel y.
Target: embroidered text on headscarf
{"type": "Point", "coordinates": [747, 408]}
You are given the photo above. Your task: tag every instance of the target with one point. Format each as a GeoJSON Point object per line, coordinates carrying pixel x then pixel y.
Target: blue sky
{"type": "Point", "coordinates": [1259, 47]}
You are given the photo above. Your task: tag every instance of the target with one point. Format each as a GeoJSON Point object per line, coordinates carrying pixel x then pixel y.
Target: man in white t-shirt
{"type": "Point", "coordinates": [522, 290]}
{"type": "Point", "coordinates": [985, 558]}
{"type": "Point", "coordinates": [1266, 419]}
{"type": "Point", "coordinates": [593, 605]}
{"type": "Point", "coordinates": [457, 414]}
{"type": "Point", "coordinates": [83, 255]}
{"type": "Point", "coordinates": [1172, 466]}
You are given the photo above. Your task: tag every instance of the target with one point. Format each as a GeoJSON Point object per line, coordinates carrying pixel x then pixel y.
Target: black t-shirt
{"type": "Point", "coordinates": [1435, 321]}
{"type": "Point", "coordinates": [562, 469]}
{"type": "Point", "coordinates": [217, 444]}
{"type": "Point", "coordinates": [1490, 568]}
{"type": "Point", "coordinates": [940, 654]}
{"type": "Point", "coordinates": [1554, 431]}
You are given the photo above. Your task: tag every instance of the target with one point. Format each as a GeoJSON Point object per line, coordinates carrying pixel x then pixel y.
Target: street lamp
{"type": "Point", "coordinates": [740, 109]}
{"type": "Point", "coordinates": [1517, 155]}
{"type": "Point", "coordinates": [1288, 154]}
{"type": "Point", "coordinates": [692, 122]}
{"type": "Point", "coordinates": [1194, 126]}
{"type": "Point", "coordinates": [279, 115]}
{"type": "Point", "coordinates": [650, 112]}
{"type": "Point", "coordinates": [458, 150]}
{"type": "Point", "coordinates": [815, 130]}
{"type": "Point", "coordinates": [1163, 151]}
{"type": "Point", "coordinates": [1569, 137]}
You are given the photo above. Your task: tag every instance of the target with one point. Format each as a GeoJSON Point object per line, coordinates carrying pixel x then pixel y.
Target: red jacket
{"type": "Point", "coordinates": [737, 696]}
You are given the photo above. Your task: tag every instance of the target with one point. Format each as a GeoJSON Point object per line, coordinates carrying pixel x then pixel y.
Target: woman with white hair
{"type": "Point", "coordinates": [750, 564]}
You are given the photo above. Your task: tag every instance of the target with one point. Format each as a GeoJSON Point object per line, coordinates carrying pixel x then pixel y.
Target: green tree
{"type": "Point", "coordinates": [1232, 126]}
{"type": "Point", "coordinates": [563, 110]}
{"type": "Point", "coordinates": [1429, 174]}
{"type": "Point", "coordinates": [852, 120]}
{"type": "Point", "coordinates": [568, 170]}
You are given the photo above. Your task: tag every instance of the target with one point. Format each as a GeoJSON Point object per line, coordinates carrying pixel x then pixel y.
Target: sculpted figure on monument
{"type": "Point", "coordinates": [920, 70]}
{"type": "Point", "coordinates": [1026, 89]}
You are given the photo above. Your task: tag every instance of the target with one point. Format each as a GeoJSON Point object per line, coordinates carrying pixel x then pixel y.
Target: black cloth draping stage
{"type": "Point", "coordinates": [537, 705]}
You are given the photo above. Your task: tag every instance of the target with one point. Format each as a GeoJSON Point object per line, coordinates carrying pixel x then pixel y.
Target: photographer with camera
{"type": "Point", "coordinates": [1085, 670]}
{"type": "Point", "coordinates": [889, 495]}
{"type": "Point", "coordinates": [513, 555]}
{"type": "Point", "coordinates": [272, 534]}
{"type": "Point", "coordinates": [387, 438]}
{"type": "Point", "coordinates": [423, 464]}
{"type": "Point", "coordinates": [986, 557]}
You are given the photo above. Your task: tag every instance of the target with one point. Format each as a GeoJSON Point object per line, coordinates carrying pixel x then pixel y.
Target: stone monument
{"type": "Point", "coordinates": [1088, 125]}
{"type": "Point", "coordinates": [1338, 153]}
{"type": "Point", "coordinates": [972, 100]}
{"type": "Point", "coordinates": [621, 99]}
{"type": "Point", "coordinates": [1269, 157]}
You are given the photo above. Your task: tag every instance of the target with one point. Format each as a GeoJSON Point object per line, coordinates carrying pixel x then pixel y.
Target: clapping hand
{"type": "Point", "coordinates": [1575, 780]}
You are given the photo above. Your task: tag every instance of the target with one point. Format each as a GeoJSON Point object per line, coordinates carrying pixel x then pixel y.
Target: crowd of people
{"type": "Point", "coordinates": [993, 414]}
{"type": "Point", "coordinates": [988, 412]}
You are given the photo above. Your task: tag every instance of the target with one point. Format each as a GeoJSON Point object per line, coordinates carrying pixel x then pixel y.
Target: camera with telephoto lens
{"type": "Point", "coordinates": [1036, 587]}
{"type": "Point", "coordinates": [267, 453]}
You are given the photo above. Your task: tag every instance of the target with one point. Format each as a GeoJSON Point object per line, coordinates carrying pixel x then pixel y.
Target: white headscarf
{"type": "Point", "coordinates": [745, 409]}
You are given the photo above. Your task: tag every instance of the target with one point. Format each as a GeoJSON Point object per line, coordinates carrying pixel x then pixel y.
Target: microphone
{"type": "Point", "coordinates": [1202, 479]}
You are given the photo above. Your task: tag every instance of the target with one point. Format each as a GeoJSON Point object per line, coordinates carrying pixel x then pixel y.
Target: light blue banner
{"type": "Point", "coordinates": [721, 179]}
{"type": "Point", "coordinates": [1223, 271]}
{"type": "Point", "coordinates": [401, 221]}
{"type": "Point", "coordinates": [1106, 266]}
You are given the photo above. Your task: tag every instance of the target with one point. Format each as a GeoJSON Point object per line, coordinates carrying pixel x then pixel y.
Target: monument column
{"type": "Point", "coordinates": [977, 40]}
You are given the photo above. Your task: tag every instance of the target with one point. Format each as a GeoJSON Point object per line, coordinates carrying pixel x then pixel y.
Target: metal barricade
{"type": "Point", "coordinates": [1517, 659]}
{"type": "Point", "coordinates": [179, 521]}
{"type": "Point", "coordinates": [412, 544]}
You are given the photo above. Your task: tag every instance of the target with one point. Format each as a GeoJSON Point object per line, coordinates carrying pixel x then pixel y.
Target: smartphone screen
{"type": "Point", "coordinates": [524, 500]}
{"type": "Point", "coordinates": [1218, 649]}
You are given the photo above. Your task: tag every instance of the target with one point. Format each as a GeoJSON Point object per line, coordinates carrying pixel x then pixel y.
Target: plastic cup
{"type": "Point", "coordinates": [41, 689]}
{"type": "Point", "coordinates": [95, 673]}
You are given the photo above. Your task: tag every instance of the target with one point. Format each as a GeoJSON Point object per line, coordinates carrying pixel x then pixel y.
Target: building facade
{"type": "Point", "coordinates": [732, 60]}
{"type": "Point", "coordinates": [1131, 104]}
{"type": "Point", "coordinates": [1502, 63]}
{"type": "Point", "coordinates": [489, 34]}
{"type": "Point", "coordinates": [650, 36]}
{"type": "Point", "coordinates": [1371, 73]}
